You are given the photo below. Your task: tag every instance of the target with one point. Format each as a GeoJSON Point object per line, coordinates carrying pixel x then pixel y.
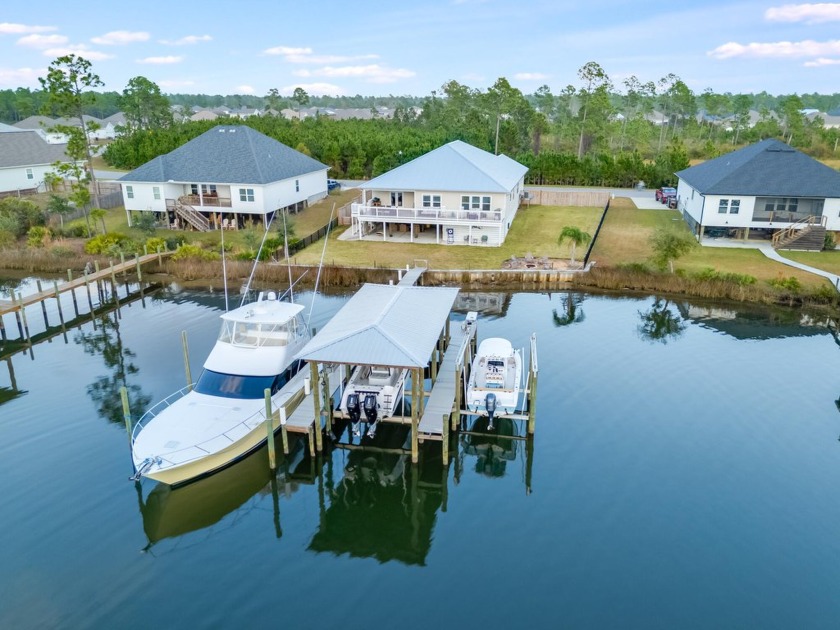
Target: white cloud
{"type": "Point", "coordinates": [79, 50]}
{"type": "Point", "coordinates": [821, 62]}
{"type": "Point", "coordinates": [161, 60]}
{"type": "Point", "coordinates": [806, 48]}
{"type": "Point", "coordinates": [472, 77]}
{"type": "Point", "coordinates": [373, 73]}
{"type": "Point", "coordinates": [7, 28]}
{"type": "Point", "coordinates": [316, 89]}
{"type": "Point", "coordinates": [286, 50]}
{"type": "Point", "coordinates": [42, 41]}
{"type": "Point", "coordinates": [530, 76]}
{"type": "Point", "coordinates": [17, 77]}
{"type": "Point", "coordinates": [187, 40]}
{"type": "Point", "coordinates": [244, 89]}
{"type": "Point", "coordinates": [808, 13]}
{"type": "Point", "coordinates": [120, 38]}
{"type": "Point", "coordinates": [174, 83]}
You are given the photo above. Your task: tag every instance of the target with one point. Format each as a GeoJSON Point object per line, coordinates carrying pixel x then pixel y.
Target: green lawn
{"type": "Point", "coordinates": [534, 231]}
{"type": "Point", "coordinates": [827, 261]}
{"type": "Point", "coordinates": [625, 238]}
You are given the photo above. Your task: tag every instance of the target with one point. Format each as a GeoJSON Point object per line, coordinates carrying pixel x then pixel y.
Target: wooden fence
{"type": "Point", "coordinates": [586, 199]}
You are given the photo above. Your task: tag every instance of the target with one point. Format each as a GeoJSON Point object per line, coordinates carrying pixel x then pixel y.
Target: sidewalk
{"type": "Point", "coordinates": [772, 254]}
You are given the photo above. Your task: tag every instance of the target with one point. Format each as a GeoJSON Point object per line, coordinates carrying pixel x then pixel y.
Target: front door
{"type": "Point", "coordinates": [396, 200]}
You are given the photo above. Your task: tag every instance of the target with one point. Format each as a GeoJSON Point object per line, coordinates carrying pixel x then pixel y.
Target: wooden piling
{"type": "Point", "coordinates": [532, 391]}
{"type": "Point", "coordinates": [25, 323]}
{"type": "Point", "coordinates": [139, 271]}
{"type": "Point", "coordinates": [529, 463]}
{"type": "Point", "coordinates": [114, 289]}
{"type": "Point", "coordinates": [58, 304]}
{"type": "Point", "coordinates": [186, 348]}
{"type": "Point", "coordinates": [416, 375]}
{"type": "Point", "coordinates": [87, 288]}
{"type": "Point", "coordinates": [269, 427]}
{"type": "Point", "coordinates": [434, 364]}
{"type": "Point", "coordinates": [122, 264]}
{"type": "Point", "coordinates": [73, 292]}
{"type": "Point", "coordinates": [43, 304]}
{"type": "Point", "coordinates": [128, 427]}
{"type": "Point", "coordinates": [315, 385]}
{"type": "Point", "coordinates": [17, 316]}
{"type": "Point", "coordinates": [444, 437]}
{"type": "Point", "coordinates": [328, 407]}
{"type": "Point", "coordinates": [456, 412]}
{"type": "Point", "coordinates": [283, 432]}
{"type": "Point", "coordinates": [2, 329]}
{"type": "Point", "coordinates": [99, 288]}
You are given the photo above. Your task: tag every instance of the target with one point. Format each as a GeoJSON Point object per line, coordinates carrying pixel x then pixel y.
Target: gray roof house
{"type": "Point", "coordinates": [456, 194]}
{"type": "Point", "coordinates": [25, 158]}
{"type": "Point", "coordinates": [758, 190]}
{"type": "Point", "coordinates": [223, 177]}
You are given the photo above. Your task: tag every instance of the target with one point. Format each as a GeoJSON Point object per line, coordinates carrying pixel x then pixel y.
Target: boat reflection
{"type": "Point", "coordinates": [493, 449]}
{"type": "Point", "coordinates": [383, 507]}
{"type": "Point", "coordinates": [204, 505]}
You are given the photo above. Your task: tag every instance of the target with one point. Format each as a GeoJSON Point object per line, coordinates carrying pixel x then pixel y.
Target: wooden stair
{"type": "Point", "coordinates": [192, 216]}
{"type": "Point", "coordinates": [805, 235]}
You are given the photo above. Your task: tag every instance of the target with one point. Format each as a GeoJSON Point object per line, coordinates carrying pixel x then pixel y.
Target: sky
{"type": "Point", "coordinates": [414, 47]}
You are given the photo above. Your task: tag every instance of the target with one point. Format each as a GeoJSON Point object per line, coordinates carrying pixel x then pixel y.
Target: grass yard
{"type": "Point", "coordinates": [534, 230]}
{"type": "Point", "coordinates": [827, 261]}
{"type": "Point", "coordinates": [625, 238]}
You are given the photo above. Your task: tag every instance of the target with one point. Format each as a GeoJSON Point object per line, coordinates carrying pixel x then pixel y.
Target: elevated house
{"type": "Point", "coordinates": [765, 190]}
{"type": "Point", "coordinates": [224, 178]}
{"type": "Point", "coordinates": [456, 194]}
{"type": "Point", "coordinates": [25, 158]}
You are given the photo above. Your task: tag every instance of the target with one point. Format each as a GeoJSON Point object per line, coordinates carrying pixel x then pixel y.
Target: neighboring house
{"type": "Point", "coordinates": [25, 158]}
{"type": "Point", "coordinates": [204, 115]}
{"type": "Point", "coordinates": [456, 194]}
{"type": "Point", "coordinates": [758, 190]}
{"type": "Point", "coordinates": [230, 173]}
{"type": "Point", "coordinates": [105, 130]}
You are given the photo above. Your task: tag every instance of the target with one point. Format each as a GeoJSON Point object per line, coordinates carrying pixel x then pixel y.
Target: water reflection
{"type": "Point", "coordinates": [105, 341]}
{"type": "Point", "coordinates": [492, 450]}
{"type": "Point", "coordinates": [383, 507]}
{"type": "Point", "coordinates": [661, 323]}
{"type": "Point", "coordinates": [571, 311]}
{"type": "Point", "coordinates": [11, 392]}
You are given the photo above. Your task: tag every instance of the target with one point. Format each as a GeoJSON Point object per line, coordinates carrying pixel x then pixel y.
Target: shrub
{"type": "Point", "coordinates": [104, 243]}
{"type": "Point", "coordinates": [38, 236]}
{"type": "Point", "coordinates": [829, 241]}
{"type": "Point", "coordinates": [155, 243]}
{"type": "Point", "coordinates": [7, 239]}
{"type": "Point", "coordinates": [145, 222]}
{"type": "Point", "coordinates": [189, 251]}
{"type": "Point", "coordinates": [740, 279]}
{"type": "Point", "coordinates": [60, 251]}
{"type": "Point", "coordinates": [248, 254]}
{"type": "Point", "coordinates": [77, 229]}
{"type": "Point", "coordinates": [791, 284]}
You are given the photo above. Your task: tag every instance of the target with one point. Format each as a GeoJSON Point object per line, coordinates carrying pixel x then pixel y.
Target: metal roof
{"type": "Point", "coordinates": [768, 168]}
{"type": "Point", "coordinates": [230, 154]}
{"type": "Point", "coordinates": [455, 167]}
{"type": "Point", "coordinates": [381, 324]}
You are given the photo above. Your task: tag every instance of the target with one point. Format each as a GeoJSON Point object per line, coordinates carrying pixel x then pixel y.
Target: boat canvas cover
{"type": "Point", "coordinates": [395, 326]}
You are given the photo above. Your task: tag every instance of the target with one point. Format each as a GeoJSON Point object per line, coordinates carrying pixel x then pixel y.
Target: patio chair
{"type": "Point", "coordinates": [484, 239]}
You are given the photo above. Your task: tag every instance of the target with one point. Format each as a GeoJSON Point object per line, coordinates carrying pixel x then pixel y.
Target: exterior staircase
{"type": "Point", "coordinates": [806, 235]}
{"type": "Point", "coordinates": [190, 215]}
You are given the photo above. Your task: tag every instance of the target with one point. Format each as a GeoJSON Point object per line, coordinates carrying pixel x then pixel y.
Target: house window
{"type": "Point", "coordinates": [156, 192]}
{"type": "Point", "coordinates": [723, 206]}
{"type": "Point", "coordinates": [485, 204]}
{"type": "Point", "coordinates": [734, 206]}
{"type": "Point", "coordinates": [431, 201]}
{"type": "Point", "coordinates": [208, 189]}
{"type": "Point", "coordinates": [129, 192]}
{"type": "Point", "coordinates": [476, 203]}
{"type": "Point", "coordinates": [465, 202]}
{"type": "Point", "coordinates": [297, 186]}
{"type": "Point", "coordinates": [30, 174]}
{"type": "Point", "coordinates": [246, 194]}
{"type": "Point", "coordinates": [396, 200]}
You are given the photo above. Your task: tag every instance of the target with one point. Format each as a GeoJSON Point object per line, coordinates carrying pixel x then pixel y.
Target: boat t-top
{"type": "Point", "coordinates": [221, 418]}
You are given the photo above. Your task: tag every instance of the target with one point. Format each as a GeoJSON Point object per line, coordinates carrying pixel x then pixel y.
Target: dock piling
{"type": "Point", "coordinates": [58, 304]}
{"type": "Point", "coordinates": [283, 432]}
{"type": "Point", "coordinates": [73, 292]}
{"type": "Point", "coordinates": [269, 427]}
{"type": "Point", "coordinates": [43, 304]}
{"type": "Point", "coordinates": [445, 439]}
{"type": "Point", "coordinates": [186, 348]}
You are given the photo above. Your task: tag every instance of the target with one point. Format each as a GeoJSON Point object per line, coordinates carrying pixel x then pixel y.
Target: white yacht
{"type": "Point", "coordinates": [374, 391]}
{"type": "Point", "coordinates": [221, 418]}
{"type": "Point", "coordinates": [495, 380]}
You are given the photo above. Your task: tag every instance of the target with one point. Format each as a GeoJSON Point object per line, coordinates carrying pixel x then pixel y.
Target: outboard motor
{"type": "Point", "coordinates": [354, 410]}
{"type": "Point", "coordinates": [370, 413]}
{"type": "Point", "coordinates": [490, 406]}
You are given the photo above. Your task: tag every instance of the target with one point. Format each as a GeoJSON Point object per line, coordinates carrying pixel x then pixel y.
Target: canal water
{"type": "Point", "coordinates": [685, 474]}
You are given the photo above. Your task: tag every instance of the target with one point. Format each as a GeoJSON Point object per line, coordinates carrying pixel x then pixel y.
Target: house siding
{"type": "Point", "coordinates": [15, 178]}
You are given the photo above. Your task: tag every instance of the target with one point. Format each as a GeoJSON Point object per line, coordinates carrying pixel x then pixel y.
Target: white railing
{"type": "Point", "coordinates": [430, 214]}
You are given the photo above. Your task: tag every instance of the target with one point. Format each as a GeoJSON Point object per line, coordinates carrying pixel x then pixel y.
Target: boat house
{"type": "Point", "coordinates": [226, 177]}
{"type": "Point", "coordinates": [455, 195]}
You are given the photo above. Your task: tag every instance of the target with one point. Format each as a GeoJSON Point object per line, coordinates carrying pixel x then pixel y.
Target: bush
{"type": "Point", "coordinates": [189, 251]}
{"type": "Point", "coordinates": [248, 254]}
{"type": "Point", "coordinates": [38, 236]}
{"type": "Point", "coordinates": [155, 243]}
{"type": "Point", "coordinates": [61, 252]}
{"type": "Point", "coordinates": [741, 279]}
{"type": "Point", "coordinates": [829, 241]}
{"type": "Point", "coordinates": [7, 239]}
{"type": "Point", "coordinates": [791, 284]}
{"type": "Point", "coordinates": [145, 222]}
{"type": "Point", "coordinates": [107, 243]}
{"type": "Point", "coordinates": [77, 229]}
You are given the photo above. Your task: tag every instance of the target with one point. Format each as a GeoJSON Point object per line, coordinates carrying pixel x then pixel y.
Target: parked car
{"type": "Point", "coordinates": [663, 193]}
{"type": "Point", "coordinates": [333, 184]}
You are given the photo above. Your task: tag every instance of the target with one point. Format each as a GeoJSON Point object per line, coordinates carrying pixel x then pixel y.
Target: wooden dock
{"type": "Point", "coordinates": [411, 276]}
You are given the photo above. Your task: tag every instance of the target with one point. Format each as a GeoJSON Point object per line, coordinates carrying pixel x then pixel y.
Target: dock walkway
{"type": "Point", "coordinates": [442, 397]}
{"type": "Point", "coordinates": [411, 277]}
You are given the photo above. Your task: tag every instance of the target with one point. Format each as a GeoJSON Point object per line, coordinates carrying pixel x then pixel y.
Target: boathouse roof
{"type": "Point", "coordinates": [396, 326]}
{"type": "Point", "coordinates": [456, 166]}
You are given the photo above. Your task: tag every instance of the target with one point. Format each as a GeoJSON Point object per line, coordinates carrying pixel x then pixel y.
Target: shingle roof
{"type": "Point", "coordinates": [457, 167]}
{"type": "Point", "coordinates": [381, 324]}
{"type": "Point", "coordinates": [28, 148]}
{"type": "Point", "coordinates": [232, 154]}
{"type": "Point", "coordinates": [767, 168]}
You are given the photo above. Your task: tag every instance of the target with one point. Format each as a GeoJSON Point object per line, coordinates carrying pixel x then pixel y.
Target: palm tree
{"type": "Point", "coordinates": [574, 235]}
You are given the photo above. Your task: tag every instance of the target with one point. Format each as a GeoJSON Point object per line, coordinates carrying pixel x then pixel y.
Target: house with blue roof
{"type": "Point", "coordinates": [456, 194]}
{"type": "Point", "coordinates": [226, 177]}
{"type": "Point", "coordinates": [758, 191]}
